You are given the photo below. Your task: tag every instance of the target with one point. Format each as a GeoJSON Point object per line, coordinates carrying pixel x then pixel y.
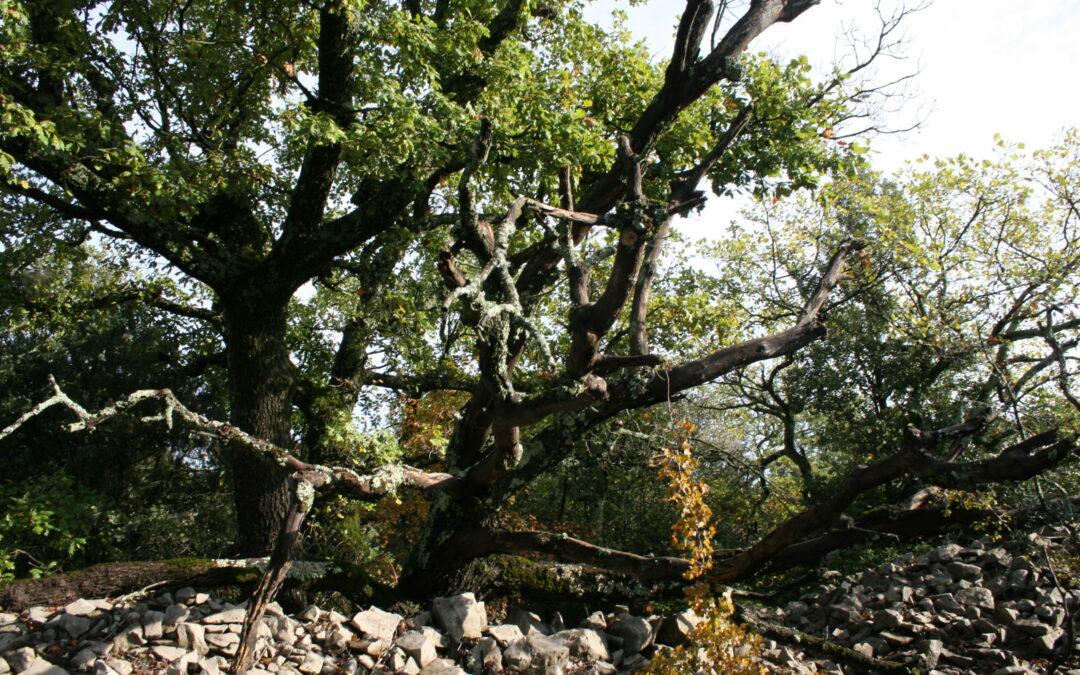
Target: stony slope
{"type": "Point", "coordinates": [981, 608]}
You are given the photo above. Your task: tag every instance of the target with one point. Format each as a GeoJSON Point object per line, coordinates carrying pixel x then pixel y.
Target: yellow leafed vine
{"type": "Point", "coordinates": [716, 644]}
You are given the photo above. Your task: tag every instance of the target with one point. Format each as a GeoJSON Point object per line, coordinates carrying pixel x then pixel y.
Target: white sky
{"type": "Point", "coordinates": [985, 67]}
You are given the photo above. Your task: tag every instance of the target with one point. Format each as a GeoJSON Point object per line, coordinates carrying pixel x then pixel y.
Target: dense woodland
{"type": "Point", "coordinates": [408, 284]}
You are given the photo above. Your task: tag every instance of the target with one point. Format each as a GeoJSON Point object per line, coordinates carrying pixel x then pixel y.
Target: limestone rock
{"type": "Point", "coordinates": [527, 621]}
{"type": "Point", "coordinates": [21, 659]}
{"type": "Point", "coordinates": [191, 636]}
{"type": "Point", "coordinates": [313, 663]}
{"type": "Point", "coordinates": [167, 653]}
{"type": "Point", "coordinates": [152, 623]}
{"type": "Point", "coordinates": [442, 667]}
{"type": "Point", "coordinates": [517, 657]}
{"type": "Point", "coordinates": [377, 624]}
{"type": "Point", "coordinates": [504, 634]}
{"type": "Point", "coordinates": [584, 643]}
{"type": "Point", "coordinates": [549, 656]}
{"type": "Point", "coordinates": [42, 667]}
{"type": "Point", "coordinates": [81, 607]}
{"type": "Point", "coordinates": [962, 570]}
{"type": "Point", "coordinates": [486, 656]}
{"type": "Point", "coordinates": [675, 630]}
{"type": "Point", "coordinates": [945, 552]}
{"type": "Point", "coordinates": [461, 616]}
{"type": "Point", "coordinates": [229, 615]}
{"type": "Point", "coordinates": [977, 596]}
{"type": "Point", "coordinates": [419, 646]}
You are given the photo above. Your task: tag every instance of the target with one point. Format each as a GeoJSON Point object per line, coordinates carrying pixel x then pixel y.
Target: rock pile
{"type": "Point", "coordinates": [981, 608]}
{"type": "Point", "coordinates": [192, 632]}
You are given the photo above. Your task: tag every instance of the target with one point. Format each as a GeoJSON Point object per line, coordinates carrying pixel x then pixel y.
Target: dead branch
{"type": "Point", "coordinates": [384, 480]}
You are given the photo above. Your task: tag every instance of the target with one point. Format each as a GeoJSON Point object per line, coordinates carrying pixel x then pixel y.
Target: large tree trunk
{"type": "Point", "coordinates": [260, 381]}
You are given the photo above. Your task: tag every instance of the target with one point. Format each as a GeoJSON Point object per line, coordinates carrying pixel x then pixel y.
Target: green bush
{"type": "Point", "coordinates": [46, 523]}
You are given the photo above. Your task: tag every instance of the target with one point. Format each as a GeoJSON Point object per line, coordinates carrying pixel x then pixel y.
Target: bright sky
{"type": "Point", "coordinates": [985, 67]}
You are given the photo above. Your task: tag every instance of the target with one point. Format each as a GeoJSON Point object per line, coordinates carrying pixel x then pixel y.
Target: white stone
{"type": "Point", "coordinates": [168, 653]}
{"type": "Point", "coordinates": [376, 623]}
{"type": "Point", "coordinates": [209, 666]}
{"type": "Point", "coordinates": [81, 607]}
{"type": "Point", "coordinates": [180, 665]}
{"type": "Point", "coordinates": [486, 657]}
{"type": "Point", "coordinates": [636, 633]}
{"type": "Point", "coordinates": [152, 623]}
{"type": "Point", "coordinates": [419, 646]}
{"type": "Point", "coordinates": [337, 639]}
{"type": "Point", "coordinates": [192, 636]}
{"type": "Point", "coordinates": [313, 663]}
{"type": "Point", "coordinates": [229, 615]}
{"type": "Point", "coordinates": [102, 668]}
{"type": "Point", "coordinates": [548, 654]}
{"type": "Point", "coordinates": [505, 633]}
{"type": "Point", "coordinates": [517, 656]}
{"type": "Point", "coordinates": [74, 625]}
{"type": "Point", "coordinates": [461, 616]}
{"type": "Point", "coordinates": [175, 614]}
{"type": "Point", "coordinates": [438, 638]}
{"type": "Point", "coordinates": [442, 667]}
{"type": "Point", "coordinates": [120, 666]}
{"type": "Point", "coordinates": [21, 659]}
{"type": "Point", "coordinates": [224, 642]}
{"type": "Point", "coordinates": [42, 667]}
{"type": "Point", "coordinates": [675, 630]}
{"type": "Point", "coordinates": [583, 643]}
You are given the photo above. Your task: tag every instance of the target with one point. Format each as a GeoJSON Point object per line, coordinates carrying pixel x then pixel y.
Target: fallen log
{"type": "Point", "coordinates": [112, 579]}
{"type": "Point", "coordinates": [109, 580]}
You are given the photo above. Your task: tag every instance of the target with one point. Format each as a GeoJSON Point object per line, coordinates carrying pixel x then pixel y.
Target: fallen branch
{"type": "Point", "coordinates": [302, 487]}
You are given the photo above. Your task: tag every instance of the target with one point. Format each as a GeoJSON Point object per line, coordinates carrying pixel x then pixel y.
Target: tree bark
{"type": "Point", "coordinates": [260, 383]}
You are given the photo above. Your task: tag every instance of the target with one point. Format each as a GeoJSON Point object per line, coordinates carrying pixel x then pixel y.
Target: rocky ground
{"type": "Point", "coordinates": [980, 608]}
{"type": "Point", "coordinates": [192, 632]}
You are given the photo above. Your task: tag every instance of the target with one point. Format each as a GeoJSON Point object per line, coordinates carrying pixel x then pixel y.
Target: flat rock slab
{"type": "Point", "coordinates": [377, 624]}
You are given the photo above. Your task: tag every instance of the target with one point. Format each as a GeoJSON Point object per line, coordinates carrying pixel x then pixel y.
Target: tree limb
{"type": "Point", "coordinates": [384, 480]}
